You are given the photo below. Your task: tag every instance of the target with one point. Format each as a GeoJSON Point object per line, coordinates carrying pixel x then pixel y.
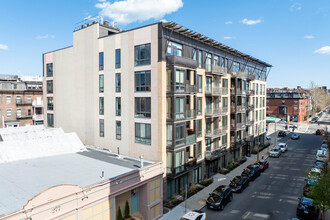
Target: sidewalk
{"type": "Point", "coordinates": [197, 201]}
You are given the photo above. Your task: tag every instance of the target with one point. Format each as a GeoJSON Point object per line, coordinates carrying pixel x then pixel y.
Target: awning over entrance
{"type": "Point", "coordinates": [272, 119]}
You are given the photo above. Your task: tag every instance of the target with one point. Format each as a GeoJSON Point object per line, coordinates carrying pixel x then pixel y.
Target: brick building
{"type": "Point", "coordinates": [289, 104]}
{"type": "Point", "coordinates": [20, 101]}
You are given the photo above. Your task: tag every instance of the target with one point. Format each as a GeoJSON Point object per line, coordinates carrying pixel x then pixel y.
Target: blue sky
{"type": "Point", "coordinates": [293, 36]}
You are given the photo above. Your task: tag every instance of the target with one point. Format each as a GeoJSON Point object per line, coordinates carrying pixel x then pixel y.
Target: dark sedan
{"type": "Point", "coordinates": [281, 134]}
{"type": "Point", "coordinates": [239, 183]}
{"type": "Point", "coordinates": [306, 209]}
{"type": "Point", "coordinates": [308, 187]}
{"type": "Point", "coordinates": [252, 171]}
{"type": "Point", "coordinates": [263, 165]}
{"type": "Point", "coordinates": [219, 197]}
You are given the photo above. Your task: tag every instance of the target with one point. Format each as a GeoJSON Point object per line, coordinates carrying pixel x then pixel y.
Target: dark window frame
{"type": "Point", "coordinates": [101, 105]}
{"type": "Point", "coordinates": [118, 130]}
{"type": "Point", "coordinates": [50, 120]}
{"type": "Point", "coordinates": [49, 69]}
{"type": "Point", "coordinates": [142, 54]}
{"type": "Point", "coordinates": [138, 137]}
{"type": "Point", "coordinates": [118, 82]}
{"type": "Point", "coordinates": [140, 110]}
{"type": "Point", "coordinates": [118, 106]}
{"type": "Point", "coordinates": [101, 127]}
{"type": "Point", "coordinates": [117, 58]}
{"type": "Point", "coordinates": [140, 76]}
{"type": "Point", "coordinates": [101, 60]}
{"type": "Point", "coordinates": [101, 83]}
{"type": "Point", "coordinates": [49, 86]}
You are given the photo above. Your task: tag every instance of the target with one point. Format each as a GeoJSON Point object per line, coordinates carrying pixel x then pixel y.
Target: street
{"type": "Point", "coordinates": [274, 195]}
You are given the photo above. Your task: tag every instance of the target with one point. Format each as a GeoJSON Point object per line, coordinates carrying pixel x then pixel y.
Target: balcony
{"type": "Point", "coordinates": [21, 117]}
{"type": "Point", "coordinates": [215, 112]}
{"type": "Point", "coordinates": [237, 126]}
{"type": "Point", "coordinates": [248, 122]}
{"type": "Point", "coordinates": [191, 139]}
{"type": "Point", "coordinates": [21, 103]}
{"type": "Point", "coordinates": [38, 117]}
{"type": "Point", "coordinates": [37, 104]}
{"type": "Point", "coordinates": [182, 61]}
{"type": "Point", "coordinates": [249, 137]}
{"type": "Point", "coordinates": [240, 92]}
{"type": "Point", "coordinates": [181, 89]}
{"type": "Point", "coordinates": [216, 91]}
{"type": "Point", "coordinates": [250, 107]}
{"type": "Point", "coordinates": [250, 92]}
{"type": "Point", "coordinates": [215, 132]}
{"type": "Point", "coordinates": [240, 109]}
{"type": "Point", "coordinates": [241, 75]}
{"type": "Point", "coordinates": [212, 155]}
{"type": "Point", "coordinates": [217, 70]}
{"type": "Point", "coordinates": [189, 165]}
{"type": "Point", "coordinates": [182, 116]}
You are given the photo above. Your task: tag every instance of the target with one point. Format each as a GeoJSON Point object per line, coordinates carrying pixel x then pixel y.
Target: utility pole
{"type": "Point", "coordinates": [258, 143]}
{"type": "Point", "coordinates": [185, 200]}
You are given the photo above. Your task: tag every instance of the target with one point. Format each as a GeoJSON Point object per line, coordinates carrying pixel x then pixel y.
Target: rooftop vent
{"type": "Point", "coordinates": [106, 23]}
{"type": "Point", "coordinates": [83, 26]}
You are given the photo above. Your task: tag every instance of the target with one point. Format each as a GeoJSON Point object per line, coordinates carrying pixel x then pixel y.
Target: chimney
{"type": "Point", "coordinates": [141, 161]}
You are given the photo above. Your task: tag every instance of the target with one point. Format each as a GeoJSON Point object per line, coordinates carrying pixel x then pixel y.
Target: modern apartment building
{"type": "Point", "coordinates": [21, 101]}
{"type": "Point", "coordinates": [161, 91]}
{"type": "Point", "coordinates": [289, 104]}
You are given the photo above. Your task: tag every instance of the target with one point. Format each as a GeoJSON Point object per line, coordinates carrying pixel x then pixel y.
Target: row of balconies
{"type": "Point", "coordinates": [212, 69]}
{"type": "Point", "coordinates": [215, 112]}
{"type": "Point", "coordinates": [216, 91]}
{"type": "Point", "coordinates": [184, 89]}
{"type": "Point", "coordinates": [209, 133]}
{"type": "Point", "coordinates": [33, 103]}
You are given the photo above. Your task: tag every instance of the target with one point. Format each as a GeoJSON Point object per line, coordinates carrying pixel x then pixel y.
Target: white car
{"type": "Point", "coordinates": [275, 152]}
{"type": "Point", "coordinates": [283, 147]}
{"type": "Point", "coordinates": [194, 215]}
{"type": "Point", "coordinates": [322, 155]}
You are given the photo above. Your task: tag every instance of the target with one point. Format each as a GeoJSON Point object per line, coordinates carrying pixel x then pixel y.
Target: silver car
{"type": "Point", "coordinates": [283, 147]}
{"type": "Point", "coordinates": [275, 152]}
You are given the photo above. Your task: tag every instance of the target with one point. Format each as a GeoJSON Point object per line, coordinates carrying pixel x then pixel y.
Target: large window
{"type": "Point", "coordinates": [19, 112]}
{"type": "Point", "coordinates": [49, 86]}
{"type": "Point", "coordinates": [194, 54]}
{"type": "Point", "coordinates": [118, 106]}
{"type": "Point", "coordinates": [235, 67]}
{"type": "Point", "coordinates": [199, 128]}
{"type": "Point", "coordinates": [142, 81]}
{"type": "Point", "coordinates": [154, 191]}
{"type": "Point", "coordinates": [174, 49]}
{"type": "Point", "coordinates": [200, 59]}
{"type": "Point", "coordinates": [50, 103]}
{"type": "Point", "coordinates": [142, 107]}
{"type": "Point", "coordinates": [225, 102]}
{"type": "Point", "coordinates": [142, 55]}
{"type": "Point", "coordinates": [199, 106]}
{"type": "Point", "coordinates": [118, 82]}
{"type": "Point", "coordinates": [101, 61]}
{"type": "Point", "coordinates": [179, 108]}
{"type": "Point", "coordinates": [101, 105]}
{"type": "Point", "coordinates": [143, 133]}
{"type": "Point", "coordinates": [50, 120]}
{"type": "Point", "coordinates": [117, 58]}
{"type": "Point", "coordinates": [49, 69]}
{"type": "Point", "coordinates": [101, 210]}
{"type": "Point", "coordinates": [8, 113]}
{"type": "Point", "coordinates": [18, 99]}
{"type": "Point", "coordinates": [179, 80]}
{"type": "Point", "coordinates": [118, 130]}
{"type": "Point", "coordinates": [208, 84]}
{"type": "Point", "coordinates": [101, 83]}
{"type": "Point", "coordinates": [8, 99]}
{"type": "Point", "coordinates": [101, 127]}
{"type": "Point", "coordinates": [208, 62]}
{"type": "Point", "coordinates": [179, 134]}
{"type": "Point", "coordinates": [200, 83]}
{"type": "Point", "coordinates": [225, 83]}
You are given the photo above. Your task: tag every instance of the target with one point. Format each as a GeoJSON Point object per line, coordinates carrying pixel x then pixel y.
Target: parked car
{"type": "Point", "coordinates": [306, 209]}
{"type": "Point", "coordinates": [263, 165]}
{"type": "Point", "coordinates": [239, 183]}
{"type": "Point", "coordinates": [268, 137]}
{"type": "Point", "coordinates": [324, 147]}
{"type": "Point", "coordinates": [275, 152]}
{"type": "Point", "coordinates": [314, 173]}
{"type": "Point", "coordinates": [252, 171]}
{"type": "Point", "coordinates": [281, 134]}
{"type": "Point", "coordinates": [308, 187]}
{"type": "Point", "coordinates": [319, 165]}
{"type": "Point", "coordinates": [322, 155]}
{"type": "Point", "coordinates": [283, 147]}
{"type": "Point", "coordinates": [219, 197]}
{"type": "Point", "coordinates": [314, 120]}
{"type": "Point", "coordinates": [319, 132]}
{"type": "Point", "coordinates": [194, 215]}
{"type": "Point", "coordinates": [295, 136]}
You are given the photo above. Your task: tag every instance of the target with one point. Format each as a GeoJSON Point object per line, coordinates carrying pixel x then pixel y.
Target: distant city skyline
{"type": "Point", "coordinates": [293, 36]}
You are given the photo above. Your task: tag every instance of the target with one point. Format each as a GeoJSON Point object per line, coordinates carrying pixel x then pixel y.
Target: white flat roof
{"type": "Point", "coordinates": [22, 180]}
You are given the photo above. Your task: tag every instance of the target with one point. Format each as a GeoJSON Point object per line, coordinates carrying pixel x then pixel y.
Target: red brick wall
{"type": "Point", "coordinates": [301, 105]}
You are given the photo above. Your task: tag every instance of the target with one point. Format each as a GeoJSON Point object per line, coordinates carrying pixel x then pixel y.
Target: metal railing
{"type": "Point", "coordinates": [190, 139]}
{"type": "Point", "coordinates": [216, 132]}
{"type": "Point", "coordinates": [215, 111]}
{"type": "Point", "coordinates": [181, 116]}
{"type": "Point", "coordinates": [187, 88]}
{"type": "Point", "coordinates": [38, 117]}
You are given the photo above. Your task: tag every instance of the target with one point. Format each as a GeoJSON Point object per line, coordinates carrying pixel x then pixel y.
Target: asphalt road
{"type": "Point", "coordinates": [274, 195]}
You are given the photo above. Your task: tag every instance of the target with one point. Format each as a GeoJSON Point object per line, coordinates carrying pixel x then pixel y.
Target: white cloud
{"type": "Point", "coordinates": [295, 7]}
{"type": "Point", "coordinates": [46, 36]}
{"type": "Point", "coordinates": [309, 37]}
{"type": "Point", "coordinates": [128, 11]}
{"type": "Point", "coordinates": [251, 22]}
{"type": "Point", "coordinates": [323, 50]}
{"type": "Point", "coordinates": [227, 38]}
{"type": "Point", "coordinates": [229, 22]}
{"type": "Point", "coordinates": [88, 17]}
{"type": "Point", "coordinates": [4, 47]}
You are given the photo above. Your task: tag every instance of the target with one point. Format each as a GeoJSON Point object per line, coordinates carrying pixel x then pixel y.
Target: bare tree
{"type": "Point", "coordinates": [320, 97]}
